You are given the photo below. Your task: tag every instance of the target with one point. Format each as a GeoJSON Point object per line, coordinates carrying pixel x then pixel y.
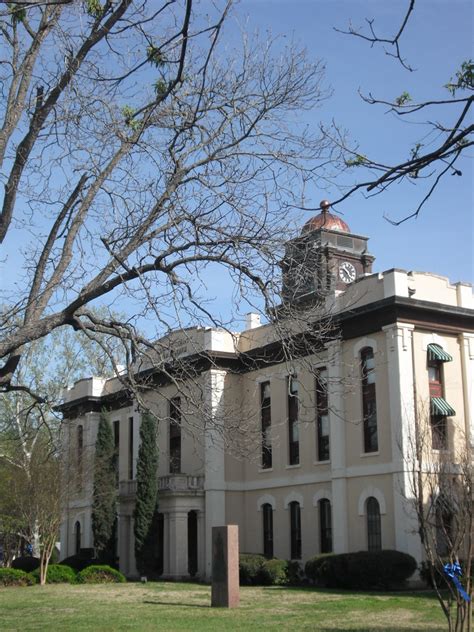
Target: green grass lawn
{"type": "Point", "coordinates": [169, 606]}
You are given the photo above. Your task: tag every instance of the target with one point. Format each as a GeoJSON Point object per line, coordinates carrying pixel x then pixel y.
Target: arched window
{"type": "Point", "coordinates": [374, 527]}
{"type": "Point", "coordinates": [369, 406]}
{"type": "Point", "coordinates": [267, 516]}
{"type": "Point", "coordinates": [175, 435]}
{"type": "Point", "coordinates": [266, 423]}
{"type": "Point", "coordinates": [77, 537]}
{"type": "Point", "coordinates": [322, 415]}
{"type": "Point", "coordinates": [80, 454]}
{"type": "Point", "coordinates": [325, 526]}
{"type": "Point", "coordinates": [295, 530]}
{"type": "Point", "coordinates": [293, 425]}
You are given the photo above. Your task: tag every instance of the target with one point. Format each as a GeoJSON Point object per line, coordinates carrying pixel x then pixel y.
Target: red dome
{"type": "Point", "coordinates": [326, 220]}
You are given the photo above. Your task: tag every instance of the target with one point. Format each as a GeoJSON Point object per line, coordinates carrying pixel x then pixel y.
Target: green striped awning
{"type": "Point", "coordinates": [435, 352]}
{"type": "Point", "coordinates": [439, 406]}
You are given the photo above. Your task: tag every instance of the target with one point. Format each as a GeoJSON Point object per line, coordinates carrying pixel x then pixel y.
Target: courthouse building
{"type": "Point", "coordinates": [306, 452]}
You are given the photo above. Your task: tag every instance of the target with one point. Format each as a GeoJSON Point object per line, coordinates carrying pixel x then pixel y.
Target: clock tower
{"type": "Point", "coordinates": [324, 259]}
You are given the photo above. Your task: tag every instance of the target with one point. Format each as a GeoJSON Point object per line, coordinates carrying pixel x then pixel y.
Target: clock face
{"type": "Point", "coordinates": [347, 272]}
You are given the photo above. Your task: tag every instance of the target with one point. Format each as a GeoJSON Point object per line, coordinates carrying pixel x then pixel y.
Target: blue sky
{"type": "Point", "coordinates": [437, 39]}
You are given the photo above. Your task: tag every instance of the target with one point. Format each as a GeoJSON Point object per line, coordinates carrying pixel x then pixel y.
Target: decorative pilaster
{"type": "Point", "coordinates": [466, 342]}
{"type": "Point", "coordinates": [401, 387]}
{"type": "Point", "coordinates": [337, 425]}
{"type": "Point", "coordinates": [214, 458]}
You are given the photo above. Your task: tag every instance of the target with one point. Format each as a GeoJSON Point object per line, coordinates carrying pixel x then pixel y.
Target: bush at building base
{"type": "Point", "coordinates": [294, 573]}
{"type": "Point", "coordinates": [26, 563]}
{"type": "Point", "coordinates": [57, 574]}
{"type": "Point", "coordinates": [273, 573]}
{"type": "Point", "coordinates": [257, 570]}
{"type": "Point", "coordinates": [99, 574]}
{"type": "Point", "coordinates": [361, 570]}
{"type": "Point", "coordinates": [250, 565]}
{"type": "Point", "coordinates": [15, 577]}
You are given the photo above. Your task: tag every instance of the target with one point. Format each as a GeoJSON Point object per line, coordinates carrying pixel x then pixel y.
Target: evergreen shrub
{"type": "Point", "coordinates": [362, 570]}
{"type": "Point", "coordinates": [57, 574]}
{"type": "Point", "coordinates": [250, 566]}
{"type": "Point", "coordinates": [100, 574]}
{"type": "Point", "coordinates": [15, 577]}
{"type": "Point", "coordinates": [294, 573]}
{"type": "Point", "coordinates": [273, 573]}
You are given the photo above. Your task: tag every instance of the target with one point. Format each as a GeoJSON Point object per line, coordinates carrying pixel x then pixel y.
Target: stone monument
{"type": "Point", "coordinates": [225, 566]}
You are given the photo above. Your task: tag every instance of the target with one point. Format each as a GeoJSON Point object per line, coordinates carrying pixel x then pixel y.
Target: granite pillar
{"type": "Point", "coordinates": [225, 566]}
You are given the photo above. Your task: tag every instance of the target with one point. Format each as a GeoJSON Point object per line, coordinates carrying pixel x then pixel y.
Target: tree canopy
{"type": "Point", "coordinates": [139, 147]}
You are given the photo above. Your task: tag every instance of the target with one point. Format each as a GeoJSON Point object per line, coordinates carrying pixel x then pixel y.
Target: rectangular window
{"type": "Point", "coordinates": [130, 448]}
{"type": "Point", "coordinates": [435, 379]}
{"type": "Point", "coordinates": [293, 425]}
{"type": "Point", "coordinates": [439, 408]}
{"type": "Point", "coordinates": [175, 435]}
{"type": "Point", "coordinates": [369, 406]}
{"type": "Point", "coordinates": [266, 422]}
{"type": "Point", "coordinates": [439, 432]}
{"type": "Point", "coordinates": [295, 530]}
{"type": "Point", "coordinates": [322, 412]}
{"type": "Point", "coordinates": [116, 430]}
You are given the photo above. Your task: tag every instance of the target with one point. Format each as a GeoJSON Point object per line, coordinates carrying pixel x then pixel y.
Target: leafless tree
{"type": "Point", "coordinates": [441, 492]}
{"type": "Point", "coordinates": [140, 147]}
{"type": "Point", "coordinates": [433, 155]}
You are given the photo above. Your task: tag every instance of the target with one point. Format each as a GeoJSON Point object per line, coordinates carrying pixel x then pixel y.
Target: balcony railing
{"type": "Point", "coordinates": [173, 483]}
{"type": "Point", "coordinates": [180, 483]}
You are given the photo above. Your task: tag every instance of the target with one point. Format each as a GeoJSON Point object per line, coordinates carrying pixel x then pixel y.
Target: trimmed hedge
{"type": "Point", "coordinates": [26, 563]}
{"type": "Point", "coordinates": [273, 573]}
{"type": "Point", "coordinates": [250, 565]}
{"type": "Point", "coordinates": [100, 574]}
{"type": "Point", "coordinates": [15, 577]}
{"type": "Point", "coordinates": [57, 574]}
{"type": "Point", "coordinates": [294, 573]}
{"type": "Point", "coordinates": [257, 570]}
{"type": "Point", "coordinates": [361, 570]}
{"type": "Point", "coordinates": [313, 565]}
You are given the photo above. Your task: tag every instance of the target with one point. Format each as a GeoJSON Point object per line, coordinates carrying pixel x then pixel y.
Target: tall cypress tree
{"type": "Point", "coordinates": [147, 491]}
{"type": "Point", "coordinates": [105, 490]}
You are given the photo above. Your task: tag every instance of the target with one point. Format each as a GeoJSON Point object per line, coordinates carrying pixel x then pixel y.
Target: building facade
{"type": "Point", "coordinates": [307, 453]}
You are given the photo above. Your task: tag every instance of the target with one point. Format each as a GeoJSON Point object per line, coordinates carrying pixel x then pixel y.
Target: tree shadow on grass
{"type": "Point", "coordinates": [179, 605]}
{"type": "Point", "coordinates": [437, 629]}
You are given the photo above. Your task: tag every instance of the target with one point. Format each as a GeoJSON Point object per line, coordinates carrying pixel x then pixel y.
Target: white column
{"type": "Point", "coordinates": [201, 538]}
{"type": "Point", "coordinates": [132, 570]}
{"type": "Point", "coordinates": [214, 458]}
{"type": "Point", "coordinates": [466, 342]}
{"type": "Point", "coordinates": [337, 438]}
{"type": "Point", "coordinates": [123, 536]}
{"type": "Point", "coordinates": [166, 544]}
{"type": "Point", "coordinates": [178, 544]}
{"type": "Point", "coordinates": [87, 535]}
{"type": "Point", "coordinates": [401, 386]}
